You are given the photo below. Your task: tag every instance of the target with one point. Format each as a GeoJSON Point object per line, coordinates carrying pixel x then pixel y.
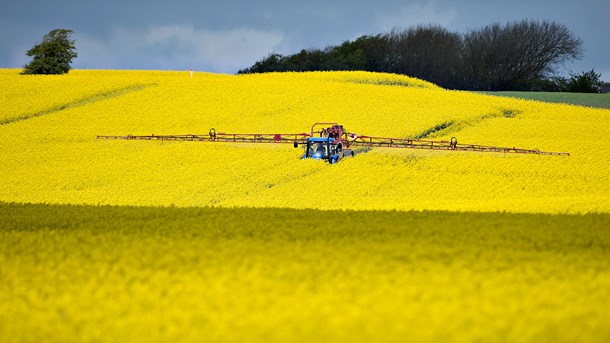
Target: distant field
{"type": "Point", "coordinates": [582, 99]}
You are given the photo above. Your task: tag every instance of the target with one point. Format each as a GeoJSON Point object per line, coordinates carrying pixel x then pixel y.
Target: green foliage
{"type": "Point", "coordinates": [347, 56]}
{"type": "Point", "coordinates": [53, 55]}
{"type": "Point", "coordinates": [585, 82]}
{"type": "Point", "coordinates": [519, 55]}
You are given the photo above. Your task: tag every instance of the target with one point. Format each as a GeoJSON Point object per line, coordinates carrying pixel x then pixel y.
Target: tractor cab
{"type": "Point", "coordinates": [318, 148]}
{"type": "Point", "coordinates": [329, 144]}
{"type": "Point", "coordinates": [323, 148]}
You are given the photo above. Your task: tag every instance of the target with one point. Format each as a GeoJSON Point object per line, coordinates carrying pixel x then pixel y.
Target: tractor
{"type": "Point", "coordinates": [331, 142]}
{"type": "Point", "coordinates": [328, 147]}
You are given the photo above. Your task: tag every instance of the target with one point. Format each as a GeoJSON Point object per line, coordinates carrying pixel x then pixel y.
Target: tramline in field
{"type": "Point", "coordinates": [329, 141]}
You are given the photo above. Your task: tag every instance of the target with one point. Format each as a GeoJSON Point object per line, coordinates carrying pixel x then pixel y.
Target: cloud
{"type": "Point", "coordinates": [94, 53]}
{"type": "Point", "coordinates": [18, 57]}
{"type": "Point", "coordinates": [177, 47]}
{"type": "Point", "coordinates": [224, 51]}
{"type": "Point", "coordinates": [418, 13]}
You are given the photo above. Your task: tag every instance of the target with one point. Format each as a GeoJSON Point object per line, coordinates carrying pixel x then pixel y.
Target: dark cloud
{"type": "Point", "coordinates": [225, 36]}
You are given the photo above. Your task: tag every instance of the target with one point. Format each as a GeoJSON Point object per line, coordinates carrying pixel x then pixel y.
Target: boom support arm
{"type": "Point", "coordinates": [214, 136]}
{"type": "Point", "coordinates": [453, 144]}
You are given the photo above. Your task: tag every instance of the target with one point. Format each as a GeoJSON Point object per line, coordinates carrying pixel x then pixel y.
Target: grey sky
{"type": "Point", "coordinates": [227, 35]}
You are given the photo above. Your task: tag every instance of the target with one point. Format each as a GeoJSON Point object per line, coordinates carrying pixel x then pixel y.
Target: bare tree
{"type": "Point", "coordinates": [429, 52]}
{"type": "Point", "coordinates": [495, 57]}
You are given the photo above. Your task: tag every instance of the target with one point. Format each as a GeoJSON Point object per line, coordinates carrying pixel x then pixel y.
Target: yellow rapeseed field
{"type": "Point", "coordinates": [108, 274]}
{"type": "Point", "coordinates": [55, 158]}
{"type": "Point", "coordinates": [114, 240]}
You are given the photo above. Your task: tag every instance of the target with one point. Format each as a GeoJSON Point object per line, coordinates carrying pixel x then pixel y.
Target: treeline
{"type": "Point", "coordinates": [516, 56]}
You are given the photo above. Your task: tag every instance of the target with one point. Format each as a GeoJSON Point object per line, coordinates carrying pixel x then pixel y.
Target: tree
{"type": "Point", "coordinates": [273, 62]}
{"type": "Point", "coordinates": [496, 57]}
{"type": "Point", "coordinates": [518, 55]}
{"type": "Point", "coordinates": [348, 56]}
{"type": "Point", "coordinates": [585, 82]}
{"type": "Point", "coordinates": [429, 52]}
{"type": "Point", "coordinates": [53, 55]}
